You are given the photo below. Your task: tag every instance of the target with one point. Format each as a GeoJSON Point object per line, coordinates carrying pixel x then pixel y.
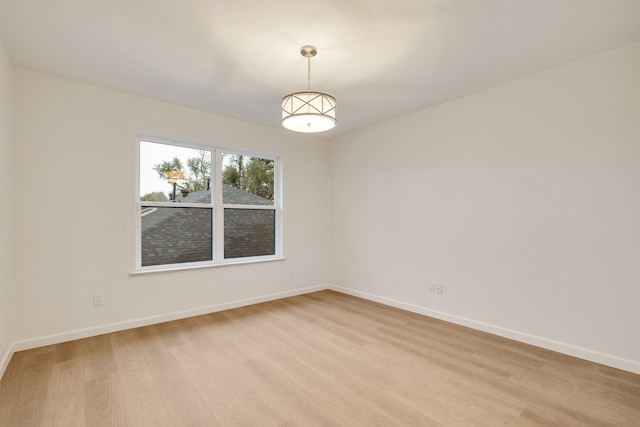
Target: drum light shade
{"type": "Point", "coordinates": [309, 111]}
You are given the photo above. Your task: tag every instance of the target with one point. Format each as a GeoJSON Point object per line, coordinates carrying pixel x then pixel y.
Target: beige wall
{"type": "Point", "coordinates": [6, 210]}
{"type": "Point", "coordinates": [522, 200]}
{"type": "Point", "coordinates": [75, 216]}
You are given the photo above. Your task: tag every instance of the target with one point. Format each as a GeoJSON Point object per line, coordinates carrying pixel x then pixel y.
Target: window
{"type": "Point", "coordinates": [200, 205]}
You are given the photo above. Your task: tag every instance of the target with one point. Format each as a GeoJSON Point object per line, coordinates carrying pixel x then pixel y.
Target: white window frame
{"type": "Point", "coordinates": [217, 206]}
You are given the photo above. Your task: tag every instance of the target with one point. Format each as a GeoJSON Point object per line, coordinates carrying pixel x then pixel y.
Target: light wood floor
{"type": "Point", "coordinates": [318, 359]}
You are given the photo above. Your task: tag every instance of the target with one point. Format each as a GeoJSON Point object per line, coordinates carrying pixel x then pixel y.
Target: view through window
{"type": "Point", "coordinates": [200, 205]}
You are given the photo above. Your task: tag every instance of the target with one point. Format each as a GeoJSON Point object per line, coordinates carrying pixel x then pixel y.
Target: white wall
{"type": "Point", "coordinates": [523, 200]}
{"type": "Point", "coordinates": [75, 215]}
{"type": "Point", "coordinates": [6, 210]}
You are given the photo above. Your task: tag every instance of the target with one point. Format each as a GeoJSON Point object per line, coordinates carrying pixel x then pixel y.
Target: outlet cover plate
{"type": "Point", "coordinates": [97, 299]}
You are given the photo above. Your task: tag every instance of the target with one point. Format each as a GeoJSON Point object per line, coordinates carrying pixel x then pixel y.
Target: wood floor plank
{"type": "Point", "coordinates": [31, 390]}
{"type": "Point", "coordinates": [315, 360]}
{"type": "Point", "coordinates": [142, 403]}
{"type": "Point", "coordinates": [174, 388]}
{"type": "Point", "coordinates": [68, 408]}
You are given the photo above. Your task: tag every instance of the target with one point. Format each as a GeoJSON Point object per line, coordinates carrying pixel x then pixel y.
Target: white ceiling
{"type": "Point", "coordinates": [379, 58]}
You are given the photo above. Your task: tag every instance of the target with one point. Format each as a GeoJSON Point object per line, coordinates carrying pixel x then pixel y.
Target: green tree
{"type": "Point", "coordinates": [233, 173]}
{"type": "Point", "coordinates": [156, 196]}
{"type": "Point", "coordinates": [173, 173]}
{"type": "Point", "coordinates": [231, 176]}
{"type": "Point", "coordinates": [199, 171]}
{"type": "Point", "coordinates": [258, 178]}
{"type": "Point", "coordinates": [174, 165]}
{"type": "Point", "coordinates": [251, 174]}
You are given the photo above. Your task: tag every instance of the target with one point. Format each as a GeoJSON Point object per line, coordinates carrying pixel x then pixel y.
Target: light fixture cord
{"type": "Point", "coordinates": [308, 72]}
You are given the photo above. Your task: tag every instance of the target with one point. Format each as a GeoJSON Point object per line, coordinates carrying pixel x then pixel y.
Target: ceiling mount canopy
{"type": "Point", "coordinates": [309, 111]}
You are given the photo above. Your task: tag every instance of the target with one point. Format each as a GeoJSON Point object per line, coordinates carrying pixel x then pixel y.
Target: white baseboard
{"type": "Point", "coordinates": [4, 362]}
{"type": "Point", "coordinates": [146, 321]}
{"type": "Point", "coordinates": [582, 353]}
{"type": "Point", "coordinates": [568, 349]}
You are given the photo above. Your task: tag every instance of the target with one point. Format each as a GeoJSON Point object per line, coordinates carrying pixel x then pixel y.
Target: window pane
{"type": "Point", "coordinates": [176, 235]}
{"type": "Point", "coordinates": [247, 180]}
{"type": "Point", "coordinates": [169, 172]}
{"type": "Point", "coordinates": [249, 232]}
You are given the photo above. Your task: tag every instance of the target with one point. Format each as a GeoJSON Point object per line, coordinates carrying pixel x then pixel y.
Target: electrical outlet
{"type": "Point", "coordinates": [439, 288]}
{"type": "Point", "coordinates": [97, 298]}
{"type": "Point", "coordinates": [431, 287]}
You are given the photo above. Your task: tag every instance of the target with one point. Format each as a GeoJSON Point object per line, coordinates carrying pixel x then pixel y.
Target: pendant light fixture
{"type": "Point", "coordinates": [309, 111]}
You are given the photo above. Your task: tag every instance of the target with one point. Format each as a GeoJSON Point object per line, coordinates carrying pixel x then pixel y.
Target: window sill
{"type": "Point", "coordinates": [197, 267]}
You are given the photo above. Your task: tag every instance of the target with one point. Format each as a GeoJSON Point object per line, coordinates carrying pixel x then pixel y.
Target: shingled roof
{"type": "Point", "coordinates": [173, 235]}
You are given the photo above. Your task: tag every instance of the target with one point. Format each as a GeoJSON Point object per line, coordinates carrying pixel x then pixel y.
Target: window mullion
{"type": "Point", "coordinates": [236, 206]}
{"type": "Point", "coordinates": [218, 211]}
{"type": "Point", "coordinates": [277, 201]}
